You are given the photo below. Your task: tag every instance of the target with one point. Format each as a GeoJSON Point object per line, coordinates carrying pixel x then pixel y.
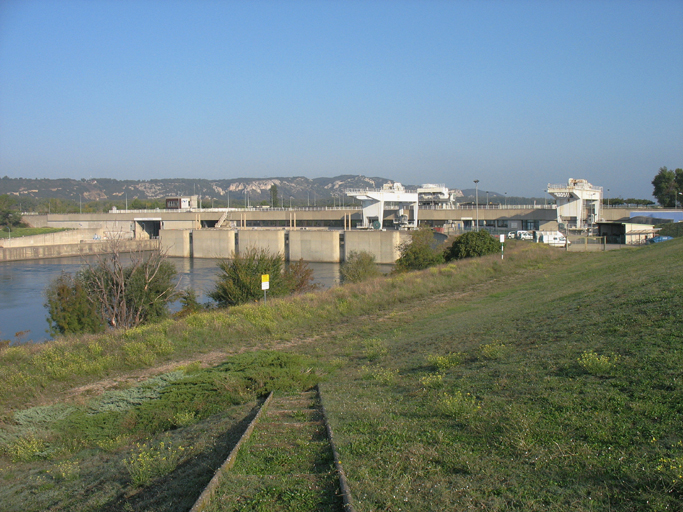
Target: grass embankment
{"type": "Point", "coordinates": [19, 232]}
{"type": "Point", "coordinates": [550, 381]}
{"type": "Point", "coordinates": [287, 464]}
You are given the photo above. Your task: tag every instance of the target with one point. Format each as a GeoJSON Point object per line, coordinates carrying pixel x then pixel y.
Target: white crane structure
{"type": "Point", "coordinates": [392, 196]}
{"type": "Point", "coordinates": [435, 195]}
{"type": "Point", "coordinates": [578, 203]}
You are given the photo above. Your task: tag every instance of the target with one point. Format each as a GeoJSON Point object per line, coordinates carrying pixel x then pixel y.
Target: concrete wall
{"type": "Point", "coordinates": [213, 243]}
{"type": "Point", "coordinates": [175, 242]}
{"type": "Point", "coordinates": [78, 249]}
{"type": "Point", "coordinates": [62, 237]}
{"type": "Point", "coordinates": [383, 245]}
{"type": "Point", "coordinates": [316, 246]}
{"type": "Point", "coordinates": [270, 240]}
{"type": "Point", "coordinates": [35, 221]}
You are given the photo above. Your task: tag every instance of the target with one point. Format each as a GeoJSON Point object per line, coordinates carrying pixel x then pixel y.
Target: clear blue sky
{"type": "Point", "coordinates": [514, 93]}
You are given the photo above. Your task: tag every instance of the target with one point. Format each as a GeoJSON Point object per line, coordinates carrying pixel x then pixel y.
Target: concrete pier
{"type": "Point", "coordinates": [321, 245]}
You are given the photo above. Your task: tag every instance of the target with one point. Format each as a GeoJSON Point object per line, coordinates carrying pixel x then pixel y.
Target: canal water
{"type": "Point", "coordinates": [23, 316]}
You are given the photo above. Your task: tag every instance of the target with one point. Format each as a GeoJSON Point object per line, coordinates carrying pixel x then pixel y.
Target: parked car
{"type": "Point", "coordinates": [512, 234]}
{"type": "Point", "coordinates": [524, 235]}
{"type": "Point", "coordinates": [657, 239]}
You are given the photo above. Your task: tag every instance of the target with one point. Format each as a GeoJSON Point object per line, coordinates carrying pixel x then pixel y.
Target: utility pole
{"type": "Point", "coordinates": [476, 200]}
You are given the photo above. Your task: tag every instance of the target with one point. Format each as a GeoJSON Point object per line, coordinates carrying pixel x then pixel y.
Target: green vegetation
{"type": "Point", "coordinates": [674, 229]}
{"type": "Point", "coordinates": [549, 381]}
{"type": "Point", "coordinates": [471, 245]}
{"type": "Point", "coordinates": [150, 431]}
{"type": "Point", "coordinates": [122, 291]}
{"type": "Point", "coordinates": [70, 310]}
{"type": "Point", "coordinates": [18, 232]}
{"type": "Point", "coordinates": [286, 465]}
{"type": "Point", "coordinates": [667, 186]}
{"type": "Point", "coordinates": [239, 280]}
{"type": "Point", "coordinates": [421, 252]}
{"type": "Point", "coordinates": [359, 267]}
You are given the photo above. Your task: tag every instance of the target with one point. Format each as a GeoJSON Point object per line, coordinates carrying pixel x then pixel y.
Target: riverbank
{"type": "Point", "coordinates": [547, 381]}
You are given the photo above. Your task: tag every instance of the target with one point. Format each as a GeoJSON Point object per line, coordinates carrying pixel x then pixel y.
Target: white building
{"type": "Point", "coordinates": [389, 197]}
{"type": "Point", "coordinates": [578, 203]}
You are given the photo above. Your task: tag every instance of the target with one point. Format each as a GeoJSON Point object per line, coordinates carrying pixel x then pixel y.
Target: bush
{"type": "Point", "coordinates": [239, 280]}
{"type": "Point", "coordinates": [420, 253]}
{"type": "Point", "coordinates": [674, 229]}
{"type": "Point", "coordinates": [110, 292]}
{"type": "Point", "coordinates": [358, 267]}
{"type": "Point", "coordinates": [471, 245]}
{"type": "Point", "coordinates": [69, 308]}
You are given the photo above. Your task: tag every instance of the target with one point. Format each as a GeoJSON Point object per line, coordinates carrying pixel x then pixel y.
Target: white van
{"type": "Point", "coordinates": [552, 238]}
{"type": "Point", "coordinates": [524, 235]}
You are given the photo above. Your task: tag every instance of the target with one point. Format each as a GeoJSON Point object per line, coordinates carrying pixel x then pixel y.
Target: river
{"type": "Point", "coordinates": [23, 316]}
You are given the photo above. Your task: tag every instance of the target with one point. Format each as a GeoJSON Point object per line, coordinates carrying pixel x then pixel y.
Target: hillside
{"type": "Point", "coordinates": [300, 188]}
{"type": "Point", "coordinates": [549, 381]}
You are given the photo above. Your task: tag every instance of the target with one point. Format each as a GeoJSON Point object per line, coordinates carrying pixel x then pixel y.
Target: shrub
{"type": "Point", "coordinates": [239, 280]}
{"type": "Point", "coordinates": [69, 308]}
{"type": "Point", "coordinates": [597, 365]}
{"type": "Point", "coordinates": [298, 277]}
{"type": "Point", "coordinates": [421, 252]}
{"type": "Point", "coordinates": [459, 406]}
{"type": "Point", "coordinates": [358, 267]}
{"type": "Point", "coordinates": [110, 292]}
{"type": "Point", "coordinates": [471, 245]}
{"type": "Point", "coordinates": [493, 350]}
{"type": "Point", "coordinates": [443, 363]}
{"type": "Point", "coordinates": [151, 461]}
{"type": "Point", "coordinates": [674, 229]}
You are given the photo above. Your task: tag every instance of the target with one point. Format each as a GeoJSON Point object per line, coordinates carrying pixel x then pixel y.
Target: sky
{"type": "Point", "coordinates": [516, 94]}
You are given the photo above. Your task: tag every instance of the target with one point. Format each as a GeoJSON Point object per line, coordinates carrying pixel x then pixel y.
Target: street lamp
{"type": "Point", "coordinates": [487, 199]}
{"type": "Point", "coordinates": [506, 199]}
{"type": "Point", "coordinates": [607, 198]}
{"type": "Point", "coordinates": [476, 200]}
{"type": "Point", "coordinates": [290, 202]}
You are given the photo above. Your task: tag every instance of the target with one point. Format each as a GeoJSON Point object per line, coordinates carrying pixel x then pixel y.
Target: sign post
{"type": "Point", "coordinates": [502, 245]}
{"type": "Point", "coordinates": [265, 285]}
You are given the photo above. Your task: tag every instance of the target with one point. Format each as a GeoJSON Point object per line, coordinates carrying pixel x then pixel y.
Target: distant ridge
{"type": "Point", "coordinates": [298, 187]}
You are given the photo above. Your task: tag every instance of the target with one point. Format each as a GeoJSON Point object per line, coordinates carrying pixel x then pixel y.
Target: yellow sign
{"type": "Point", "coordinates": [265, 278]}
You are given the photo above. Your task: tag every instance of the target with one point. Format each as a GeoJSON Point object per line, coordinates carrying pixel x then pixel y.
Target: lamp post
{"type": "Point", "coordinates": [487, 199]}
{"type": "Point", "coordinates": [506, 199]}
{"type": "Point", "coordinates": [290, 202]}
{"type": "Point", "coordinates": [476, 201]}
{"type": "Point", "coordinates": [607, 198]}
{"type": "Point", "coordinates": [80, 204]}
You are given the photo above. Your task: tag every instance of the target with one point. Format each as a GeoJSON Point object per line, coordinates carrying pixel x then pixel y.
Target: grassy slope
{"type": "Point", "coordinates": [537, 431]}
{"type": "Point", "coordinates": [519, 423]}
{"type": "Point", "coordinates": [18, 232]}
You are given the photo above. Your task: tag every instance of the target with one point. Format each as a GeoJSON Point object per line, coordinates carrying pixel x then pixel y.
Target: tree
{"type": "Point", "coordinates": [359, 266]}
{"type": "Point", "coordinates": [123, 295]}
{"type": "Point", "coordinates": [471, 245]}
{"type": "Point", "coordinates": [9, 215]}
{"type": "Point", "coordinates": [421, 252]}
{"type": "Point", "coordinates": [133, 294]}
{"type": "Point", "coordinates": [273, 196]}
{"type": "Point", "coordinates": [667, 184]}
{"type": "Point", "coordinates": [69, 309]}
